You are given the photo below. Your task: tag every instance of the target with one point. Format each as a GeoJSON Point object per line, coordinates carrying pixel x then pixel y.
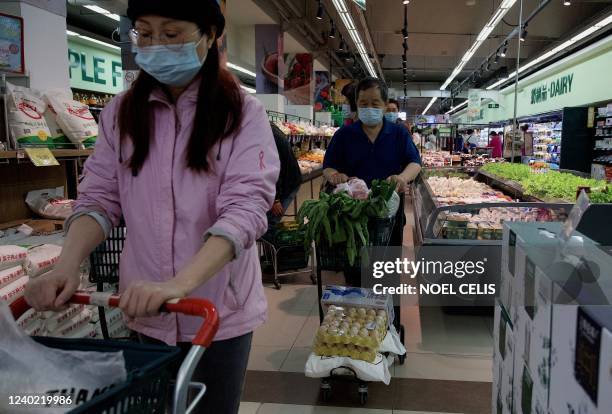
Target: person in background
{"type": "Point", "coordinates": [348, 91]}
{"type": "Point", "coordinates": [496, 143]}
{"type": "Point", "coordinates": [416, 136]}
{"type": "Point", "coordinates": [458, 143]}
{"type": "Point", "coordinates": [472, 139]}
{"type": "Point", "coordinates": [392, 112]}
{"type": "Point", "coordinates": [289, 179]}
{"type": "Point", "coordinates": [188, 160]}
{"type": "Point", "coordinates": [373, 148]}
{"type": "Point", "coordinates": [432, 140]}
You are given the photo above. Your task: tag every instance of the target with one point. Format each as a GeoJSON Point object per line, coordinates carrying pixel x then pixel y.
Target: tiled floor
{"type": "Point", "coordinates": [454, 349]}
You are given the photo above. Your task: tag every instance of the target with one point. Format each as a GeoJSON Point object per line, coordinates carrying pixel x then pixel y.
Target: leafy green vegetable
{"type": "Point", "coordinates": [550, 185]}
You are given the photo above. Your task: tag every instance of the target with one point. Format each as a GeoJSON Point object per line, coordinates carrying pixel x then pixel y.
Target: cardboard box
{"type": "Point", "coordinates": [503, 362]}
{"type": "Point", "coordinates": [581, 371]}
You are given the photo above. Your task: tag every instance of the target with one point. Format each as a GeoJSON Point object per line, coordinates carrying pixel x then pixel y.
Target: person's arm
{"type": "Point", "coordinates": [332, 162]}
{"type": "Point", "coordinates": [411, 159]}
{"type": "Point", "coordinates": [96, 211]}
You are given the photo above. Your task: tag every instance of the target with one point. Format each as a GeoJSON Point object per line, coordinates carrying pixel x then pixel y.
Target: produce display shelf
{"type": "Point", "coordinates": [428, 211]}
{"type": "Point", "coordinates": [58, 153]}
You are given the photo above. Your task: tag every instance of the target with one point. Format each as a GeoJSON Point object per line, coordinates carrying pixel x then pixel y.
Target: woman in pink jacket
{"type": "Point", "coordinates": [190, 163]}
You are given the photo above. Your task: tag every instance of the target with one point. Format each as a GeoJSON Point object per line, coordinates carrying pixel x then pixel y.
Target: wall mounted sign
{"type": "Point", "coordinates": [557, 87]}
{"type": "Point", "coordinates": [11, 44]}
{"type": "Point", "coordinates": [94, 69]}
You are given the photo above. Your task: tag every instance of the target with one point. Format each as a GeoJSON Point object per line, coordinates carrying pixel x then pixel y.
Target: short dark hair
{"type": "Point", "coordinates": [369, 83]}
{"type": "Point", "coordinates": [470, 131]}
{"type": "Point", "coordinates": [348, 91]}
{"type": "Point", "coordinates": [493, 133]}
{"type": "Point", "coordinates": [393, 101]}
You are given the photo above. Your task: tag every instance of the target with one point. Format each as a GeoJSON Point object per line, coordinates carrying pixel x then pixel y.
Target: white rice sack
{"type": "Point", "coordinates": [27, 319]}
{"type": "Point", "coordinates": [11, 256]}
{"type": "Point", "coordinates": [58, 320]}
{"type": "Point", "coordinates": [322, 367]}
{"type": "Point", "coordinates": [73, 325]}
{"type": "Point", "coordinates": [26, 118]}
{"type": "Point", "coordinates": [14, 291]}
{"type": "Point", "coordinates": [41, 259]}
{"type": "Point", "coordinates": [74, 118]}
{"type": "Point", "coordinates": [9, 275]}
{"type": "Point", "coordinates": [57, 135]}
{"type": "Point", "coordinates": [87, 331]}
{"type": "Point", "coordinates": [50, 203]}
{"type": "Point", "coordinates": [35, 329]}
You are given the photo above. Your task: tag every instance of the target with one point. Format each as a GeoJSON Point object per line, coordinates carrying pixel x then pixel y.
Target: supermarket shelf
{"type": "Point", "coordinates": [603, 136]}
{"type": "Point", "coordinates": [58, 153]}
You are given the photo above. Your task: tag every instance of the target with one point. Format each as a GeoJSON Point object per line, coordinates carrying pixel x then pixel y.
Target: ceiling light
{"type": "Point", "coordinates": [524, 33]}
{"type": "Point", "coordinates": [241, 69]}
{"type": "Point", "coordinates": [405, 2]}
{"type": "Point", "coordinates": [499, 14]}
{"type": "Point", "coordinates": [405, 33]}
{"type": "Point", "coordinates": [504, 51]}
{"type": "Point", "coordinates": [106, 13]}
{"type": "Point", "coordinates": [320, 11]}
{"type": "Point", "coordinates": [346, 18]}
{"type": "Point", "coordinates": [496, 60]}
{"type": "Point", "coordinates": [430, 104]}
{"type": "Point", "coordinates": [341, 47]}
{"type": "Point", "coordinates": [332, 32]}
{"type": "Point", "coordinates": [567, 3]}
{"type": "Point", "coordinates": [91, 39]}
{"type": "Point", "coordinates": [454, 108]}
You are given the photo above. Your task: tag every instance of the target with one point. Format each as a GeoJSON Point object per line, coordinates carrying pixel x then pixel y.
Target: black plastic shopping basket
{"type": "Point", "coordinates": [145, 390]}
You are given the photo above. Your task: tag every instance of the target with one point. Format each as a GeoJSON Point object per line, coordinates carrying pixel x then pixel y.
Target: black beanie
{"type": "Point", "coordinates": [200, 12]}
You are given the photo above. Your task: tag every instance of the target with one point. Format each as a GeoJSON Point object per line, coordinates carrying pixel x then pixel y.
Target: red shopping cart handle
{"type": "Point", "coordinates": [186, 306]}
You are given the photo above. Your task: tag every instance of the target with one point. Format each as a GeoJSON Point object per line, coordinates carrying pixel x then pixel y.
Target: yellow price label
{"type": "Point", "coordinates": [41, 157]}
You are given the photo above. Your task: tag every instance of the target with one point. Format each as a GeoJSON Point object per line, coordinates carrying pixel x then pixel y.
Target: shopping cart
{"type": "Point", "coordinates": [148, 366]}
{"type": "Point", "coordinates": [335, 259]}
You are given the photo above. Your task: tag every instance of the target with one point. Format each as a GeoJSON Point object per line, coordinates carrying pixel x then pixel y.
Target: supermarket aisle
{"type": "Point", "coordinates": [445, 352]}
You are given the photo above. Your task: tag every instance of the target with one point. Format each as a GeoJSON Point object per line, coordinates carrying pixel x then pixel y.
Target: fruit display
{"type": "Point", "coordinates": [553, 185]}
{"type": "Point", "coordinates": [351, 332]}
{"type": "Point", "coordinates": [453, 190]}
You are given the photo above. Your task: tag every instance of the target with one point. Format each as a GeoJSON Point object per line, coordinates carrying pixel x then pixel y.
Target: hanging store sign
{"type": "Point", "coordinates": [94, 69]}
{"type": "Point", "coordinates": [557, 87]}
{"type": "Point", "coordinates": [474, 96]}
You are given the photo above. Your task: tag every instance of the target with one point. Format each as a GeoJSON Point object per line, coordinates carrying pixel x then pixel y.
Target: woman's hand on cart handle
{"type": "Point", "coordinates": [144, 299]}
{"type": "Point", "coordinates": [52, 290]}
{"type": "Point", "coordinates": [338, 178]}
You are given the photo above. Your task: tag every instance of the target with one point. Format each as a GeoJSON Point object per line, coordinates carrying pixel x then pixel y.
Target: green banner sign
{"type": "Point", "coordinates": [94, 69]}
{"type": "Point", "coordinates": [557, 87]}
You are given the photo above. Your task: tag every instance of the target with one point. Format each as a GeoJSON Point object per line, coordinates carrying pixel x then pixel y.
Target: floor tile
{"type": "Point", "coordinates": [306, 336]}
{"type": "Point", "coordinates": [280, 329]}
{"type": "Point", "coordinates": [267, 358]}
{"type": "Point", "coordinates": [296, 359]}
{"type": "Point", "coordinates": [306, 409]}
{"type": "Point", "coordinates": [249, 407]}
{"type": "Point", "coordinates": [445, 367]}
{"type": "Point", "coordinates": [292, 299]}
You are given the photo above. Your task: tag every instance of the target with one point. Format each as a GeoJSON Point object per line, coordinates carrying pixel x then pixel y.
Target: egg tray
{"type": "Point", "coordinates": [369, 342]}
{"type": "Point", "coordinates": [358, 353]}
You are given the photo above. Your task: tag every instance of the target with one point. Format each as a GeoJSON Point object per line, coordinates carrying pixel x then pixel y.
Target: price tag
{"type": "Point", "coordinates": [41, 157]}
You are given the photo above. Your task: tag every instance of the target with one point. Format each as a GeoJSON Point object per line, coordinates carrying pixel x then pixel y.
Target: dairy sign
{"type": "Point", "coordinates": [557, 87]}
{"type": "Point", "coordinates": [94, 69]}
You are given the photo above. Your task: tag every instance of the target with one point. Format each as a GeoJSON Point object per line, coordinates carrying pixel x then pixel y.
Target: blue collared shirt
{"type": "Point", "coordinates": [352, 153]}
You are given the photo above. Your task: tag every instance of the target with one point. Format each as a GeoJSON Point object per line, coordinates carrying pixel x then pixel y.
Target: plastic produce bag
{"type": "Point", "coordinates": [392, 205]}
{"type": "Point", "coordinates": [50, 203]}
{"type": "Point", "coordinates": [31, 368]}
{"type": "Point", "coordinates": [322, 367]}
{"type": "Point", "coordinates": [392, 343]}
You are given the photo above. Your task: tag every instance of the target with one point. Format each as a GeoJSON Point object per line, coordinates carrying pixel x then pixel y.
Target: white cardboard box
{"type": "Point", "coordinates": [503, 362]}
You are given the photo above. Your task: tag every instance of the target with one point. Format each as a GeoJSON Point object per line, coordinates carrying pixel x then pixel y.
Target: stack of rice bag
{"type": "Point", "coordinates": [77, 321]}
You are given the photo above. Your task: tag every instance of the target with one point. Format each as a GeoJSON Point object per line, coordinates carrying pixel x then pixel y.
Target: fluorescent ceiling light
{"type": "Point", "coordinates": [482, 36]}
{"type": "Point", "coordinates": [100, 10]}
{"type": "Point", "coordinates": [430, 104]}
{"type": "Point", "coordinates": [249, 90]}
{"type": "Point", "coordinates": [557, 49]}
{"type": "Point", "coordinates": [241, 69]}
{"type": "Point", "coordinates": [347, 20]}
{"type": "Point", "coordinates": [454, 108]}
{"type": "Point", "coordinates": [91, 39]}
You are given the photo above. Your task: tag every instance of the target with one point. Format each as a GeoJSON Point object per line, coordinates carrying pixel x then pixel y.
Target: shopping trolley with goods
{"type": "Point", "coordinates": [334, 258]}
{"type": "Point", "coordinates": [148, 366]}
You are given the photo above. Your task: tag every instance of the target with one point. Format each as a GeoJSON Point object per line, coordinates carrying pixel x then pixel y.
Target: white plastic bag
{"type": "Point", "coordinates": [392, 343]}
{"type": "Point", "coordinates": [358, 189]}
{"type": "Point", "coordinates": [322, 367]}
{"type": "Point", "coordinates": [31, 368]}
{"type": "Point", "coordinates": [50, 203]}
{"type": "Point", "coordinates": [392, 205]}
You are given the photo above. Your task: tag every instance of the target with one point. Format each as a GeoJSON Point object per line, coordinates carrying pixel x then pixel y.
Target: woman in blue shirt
{"type": "Point", "coordinates": [373, 148]}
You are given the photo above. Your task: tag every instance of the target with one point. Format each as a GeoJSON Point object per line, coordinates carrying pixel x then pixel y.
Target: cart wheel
{"type": "Point", "coordinates": [325, 391]}
{"type": "Point", "coordinates": [277, 284]}
{"type": "Point", "coordinates": [402, 333]}
{"type": "Point", "coordinates": [402, 359]}
{"type": "Point", "coordinates": [363, 398]}
{"type": "Point", "coordinates": [313, 278]}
